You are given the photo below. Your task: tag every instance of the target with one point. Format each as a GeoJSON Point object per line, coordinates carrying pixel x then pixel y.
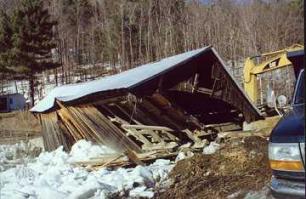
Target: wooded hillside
{"type": "Point", "coordinates": [132, 32]}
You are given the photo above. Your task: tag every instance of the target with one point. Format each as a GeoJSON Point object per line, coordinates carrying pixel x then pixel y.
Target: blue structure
{"type": "Point", "coordinates": [12, 102]}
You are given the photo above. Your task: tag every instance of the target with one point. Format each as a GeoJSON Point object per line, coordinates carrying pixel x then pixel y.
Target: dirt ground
{"type": "Point", "coordinates": [19, 125]}
{"type": "Point", "coordinates": [240, 166]}
{"type": "Point", "coordinates": [19, 120]}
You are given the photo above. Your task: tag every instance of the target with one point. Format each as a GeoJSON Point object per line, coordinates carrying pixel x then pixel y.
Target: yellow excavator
{"type": "Point", "coordinates": [271, 75]}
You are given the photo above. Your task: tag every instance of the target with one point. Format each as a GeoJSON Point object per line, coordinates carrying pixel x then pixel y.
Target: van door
{"type": "Point", "coordinates": [302, 149]}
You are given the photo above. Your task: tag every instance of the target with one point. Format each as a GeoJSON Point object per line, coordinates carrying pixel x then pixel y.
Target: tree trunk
{"type": "Point", "coordinates": [123, 64]}
{"type": "Point", "coordinates": [16, 88]}
{"type": "Point", "coordinates": [55, 75]}
{"type": "Point", "coordinates": [32, 90]}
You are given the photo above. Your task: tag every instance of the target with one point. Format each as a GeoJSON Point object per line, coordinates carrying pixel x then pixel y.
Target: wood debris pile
{"type": "Point", "coordinates": [177, 105]}
{"type": "Point", "coordinates": [123, 160]}
{"type": "Point", "coordinates": [125, 126]}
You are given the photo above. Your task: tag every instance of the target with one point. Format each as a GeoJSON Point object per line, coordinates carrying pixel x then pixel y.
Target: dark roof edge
{"type": "Point", "coordinates": [236, 84]}
{"type": "Point", "coordinates": [172, 67]}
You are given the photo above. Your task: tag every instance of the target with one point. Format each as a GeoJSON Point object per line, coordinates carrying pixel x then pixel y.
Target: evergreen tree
{"type": "Point", "coordinates": [6, 33]}
{"type": "Point", "coordinates": [32, 41]}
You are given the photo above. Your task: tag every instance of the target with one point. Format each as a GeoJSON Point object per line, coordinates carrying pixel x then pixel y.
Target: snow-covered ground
{"type": "Point", "coordinates": [211, 148]}
{"type": "Point", "coordinates": [50, 175]}
{"type": "Point", "coordinates": [10, 155]}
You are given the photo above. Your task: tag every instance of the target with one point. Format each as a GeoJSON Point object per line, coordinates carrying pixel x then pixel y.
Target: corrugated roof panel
{"type": "Point", "coordinates": [122, 80]}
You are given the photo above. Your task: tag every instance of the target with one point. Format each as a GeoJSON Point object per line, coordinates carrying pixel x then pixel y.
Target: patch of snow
{"type": "Point", "coordinates": [264, 193]}
{"type": "Point", "coordinates": [183, 155]}
{"type": "Point", "coordinates": [211, 148]}
{"type": "Point", "coordinates": [141, 192]}
{"type": "Point", "coordinates": [160, 169]}
{"type": "Point", "coordinates": [51, 175]}
{"type": "Point", "coordinates": [37, 142]}
{"type": "Point", "coordinates": [18, 153]}
{"type": "Point", "coordinates": [84, 150]}
{"type": "Point", "coordinates": [180, 156]}
{"type": "Point", "coordinates": [234, 195]}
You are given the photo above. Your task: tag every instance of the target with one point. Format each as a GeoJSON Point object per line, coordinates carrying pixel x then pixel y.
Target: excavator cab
{"type": "Point", "coordinates": [269, 79]}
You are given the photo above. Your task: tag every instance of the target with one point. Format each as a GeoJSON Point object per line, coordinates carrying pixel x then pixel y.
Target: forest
{"type": "Point", "coordinates": [128, 33]}
{"type": "Point", "coordinates": [180, 127]}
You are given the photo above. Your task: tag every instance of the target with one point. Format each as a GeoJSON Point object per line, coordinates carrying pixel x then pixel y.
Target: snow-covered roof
{"type": "Point", "coordinates": [122, 80]}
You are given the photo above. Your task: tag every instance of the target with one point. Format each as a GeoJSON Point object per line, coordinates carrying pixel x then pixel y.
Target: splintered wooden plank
{"type": "Point", "coordinates": [111, 160]}
{"type": "Point", "coordinates": [158, 128]}
{"type": "Point", "coordinates": [45, 132]}
{"type": "Point", "coordinates": [191, 135]}
{"type": "Point", "coordinates": [133, 157]}
{"type": "Point", "coordinates": [151, 129]}
{"type": "Point", "coordinates": [118, 120]}
{"type": "Point", "coordinates": [69, 139]}
{"type": "Point", "coordinates": [90, 126]}
{"type": "Point", "coordinates": [69, 117]}
{"type": "Point", "coordinates": [93, 125]}
{"type": "Point", "coordinates": [158, 115]}
{"type": "Point", "coordinates": [128, 115]}
{"type": "Point", "coordinates": [175, 114]}
{"type": "Point", "coordinates": [117, 136]}
{"type": "Point", "coordinates": [113, 117]}
{"type": "Point", "coordinates": [153, 137]}
{"type": "Point", "coordinates": [139, 114]}
{"type": "Point", "coordinates": [118, 160]}
{"type": "Point", "coordinates": [76, 123]}
{"type": "Point", "coordinates": [52, 134]}
{"type": "Point", "coordinates": [138, 136]}
{"type": "Point", "coordinates": [74, 132]}
{"type": "Point", "coordinates": [87, 122]}
{"type": "Point", "coordinates": [83, 123]}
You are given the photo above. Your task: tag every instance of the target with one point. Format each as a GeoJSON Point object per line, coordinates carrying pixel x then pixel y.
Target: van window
{"type": "Point", "coordinates": [299, 95]}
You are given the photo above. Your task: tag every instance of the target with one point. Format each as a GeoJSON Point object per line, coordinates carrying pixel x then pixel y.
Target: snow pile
{"type": "Point", "coordinates": [84, 150]}
{"type": "Point", "coordinates": [211, 148]}
{"type": "Point", "coordinates": [51, 176]}
{"type": "Point", "coordinates": [10, 155]}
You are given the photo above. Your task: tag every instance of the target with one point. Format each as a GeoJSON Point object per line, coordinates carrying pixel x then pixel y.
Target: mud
{"type": "Point", "coordinates": [240, 166]}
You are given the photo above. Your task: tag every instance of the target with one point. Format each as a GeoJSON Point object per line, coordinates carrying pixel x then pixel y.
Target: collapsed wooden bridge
{"type": "Point", "coordinates": [180, 101]}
